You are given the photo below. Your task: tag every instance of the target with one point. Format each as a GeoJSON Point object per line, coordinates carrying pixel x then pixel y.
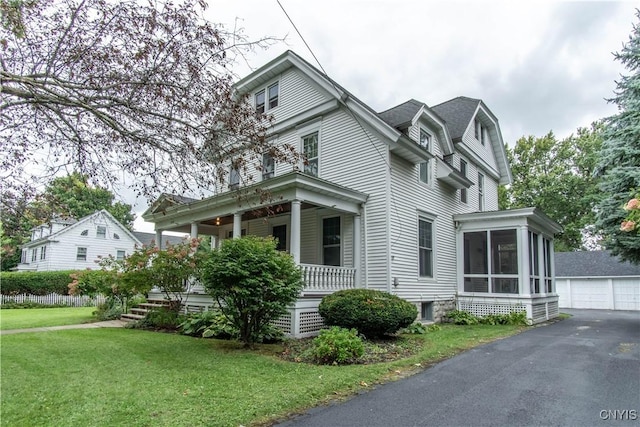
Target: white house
{"type": "Point", "coordinates": [76, 245]}
{"type": "Point", "coordinates": [405, 201]}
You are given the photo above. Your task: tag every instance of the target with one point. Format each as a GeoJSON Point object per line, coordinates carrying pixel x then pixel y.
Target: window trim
{"type": "Point", "coordinates": [78, 254]}
{"type": "Point", "coordinates": [431, 219]}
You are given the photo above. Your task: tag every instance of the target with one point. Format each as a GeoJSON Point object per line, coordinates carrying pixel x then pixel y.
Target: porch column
{"type": "Point", "coordinates": [357, 250]}
{"type": "Point", "coordinates": [194, 230]}
{"type": "Point", "coordinates": [523, 261]}
{"type": "Point", "coordinates": [295, 230]}
{"type": "Point", "coordinates": [159, 239]}
{"type": "Point", "coordinates": [237, 225]}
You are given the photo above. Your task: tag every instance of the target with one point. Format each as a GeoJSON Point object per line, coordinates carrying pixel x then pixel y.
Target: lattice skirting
{"type": "Point", "coordinates": [483, 309]}
{"type": "Point", "coordinates": [538, 309]}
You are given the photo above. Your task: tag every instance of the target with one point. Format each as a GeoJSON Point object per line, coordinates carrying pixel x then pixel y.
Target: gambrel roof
{"type": "Point", "coordinates": [458, 113]}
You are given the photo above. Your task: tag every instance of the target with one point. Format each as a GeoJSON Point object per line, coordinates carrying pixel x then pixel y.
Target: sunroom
{"type": "Point", "coordinates": [505, 263]}
{"type": "Point", "coordinates": [316, 221]}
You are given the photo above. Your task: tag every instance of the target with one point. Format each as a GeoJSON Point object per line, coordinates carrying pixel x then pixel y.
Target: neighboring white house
{"type": "Point", "coordinates": [76, 245]}
{"type": "Point", "coordinates": [596, 279]}
{"type": "Point", "coordinates": [404, 201]}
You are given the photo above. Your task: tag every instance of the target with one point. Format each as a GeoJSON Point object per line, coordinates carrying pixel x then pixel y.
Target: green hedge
{"type": "Point", "coordinates": [35, 282]}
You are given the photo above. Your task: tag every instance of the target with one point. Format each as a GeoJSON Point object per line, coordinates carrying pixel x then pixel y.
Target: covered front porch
{"type": "Point", "coordinates": [318, 222]}
{"type": "Point", "coordinates": [505, 263]}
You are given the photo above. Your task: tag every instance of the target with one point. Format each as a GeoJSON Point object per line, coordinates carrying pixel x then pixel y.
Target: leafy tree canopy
{"type": "Point", "coordinates": [556, 177]}
{"type": "Point", "coordinates": [619, 163]}
{"type": "Point", "coordinates": [108, 87]}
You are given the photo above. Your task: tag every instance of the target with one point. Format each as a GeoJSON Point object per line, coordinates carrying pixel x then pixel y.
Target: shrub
{"type": "Point", "coordinates": [108, 311]}
{"type": "Point", "coordinates": [209, 324]}
{"type": "Point", "coordinates": [337, 345]}
{"type": "Point", "coordinates": [162, 318]}
{"type": "Point", "coordinates": [416, 328]}
{"type": "Point", "coordinates": [373, 313]}
{"type": "Point", "coordinates": [252, 282]}
{"type": "Point", "coordinates": [35, 282]}
{"type": "Point", "coordinates": [462, 317]}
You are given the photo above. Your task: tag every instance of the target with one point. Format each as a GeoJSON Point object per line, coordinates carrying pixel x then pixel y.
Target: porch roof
{"type": "Point", "coordinates": [281, 189]}
{"type": "Point", "coordinates": [509, 217]}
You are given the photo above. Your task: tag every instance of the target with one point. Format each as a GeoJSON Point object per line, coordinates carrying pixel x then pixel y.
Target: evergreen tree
{"type": "Point", "coordinates": [620, 155]}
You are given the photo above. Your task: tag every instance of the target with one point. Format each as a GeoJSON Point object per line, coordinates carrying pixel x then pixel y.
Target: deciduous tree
{"type": "Point", "coordinates": [556, 177]}
{"type": "Point", "coordinates": [620, 155]}
{"type": "Point", "coordinates": [108, 87]}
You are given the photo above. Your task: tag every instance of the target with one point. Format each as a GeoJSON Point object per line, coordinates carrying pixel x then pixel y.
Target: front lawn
{"type": "Point", "coordinates": [20, 318]}
{"type": "Point", "coordinates": [136, 378]}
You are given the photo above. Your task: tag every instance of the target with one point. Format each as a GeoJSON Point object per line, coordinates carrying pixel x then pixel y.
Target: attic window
{"type": "Point", "coordinates": [116, 236]}
{"type": "Point", "coordinates": [267, 98]}
{"type": "Point", "coordinates": [273, 95]}
{"type": "Point", "coordinates": [101, 232]}
{"type": "Point", "coordinates": [260, 102]}
{"type": "Point", "coordinates": [480, 132]}
{"type": "Point", "coordinates": [84, 233]}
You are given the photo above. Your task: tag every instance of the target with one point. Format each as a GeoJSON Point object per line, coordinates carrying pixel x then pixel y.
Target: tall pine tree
{"type": "Point", "coordinates": [620, 155]}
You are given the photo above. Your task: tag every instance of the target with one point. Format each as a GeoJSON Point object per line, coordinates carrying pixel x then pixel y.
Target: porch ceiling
{"type": "Point", "coordinates": [311, 191]}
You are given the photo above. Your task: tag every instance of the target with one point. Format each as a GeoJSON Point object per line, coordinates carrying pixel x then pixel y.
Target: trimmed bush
{"type": "Point", "coordinates": [337, 345]}
{"type": "Point", "coordinates": [373, 313]}
{"type": "Point", "coordinates": [37, 282]}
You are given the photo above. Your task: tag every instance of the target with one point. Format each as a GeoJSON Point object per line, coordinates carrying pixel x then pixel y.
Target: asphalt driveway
{"type": "Point", "coordinates": [583, 371]}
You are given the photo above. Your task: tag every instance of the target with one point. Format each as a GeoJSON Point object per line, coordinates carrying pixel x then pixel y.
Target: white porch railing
{"type": "Point", "coordinates": [327, 278]}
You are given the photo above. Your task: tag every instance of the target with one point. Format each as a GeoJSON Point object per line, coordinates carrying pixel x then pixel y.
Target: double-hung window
{"type": "Point", "coordinates": [463, 171]}
{"type": "Point", "coordinates": [425, 167]}
{"type": "Point", "coordinates": [331, 247]}
{"type": "Point", "coordinates": [120, 254]}
{"type": "Point", "coordinates": [101, 232]}
{"type": "Point", "coordinates": [425, 247]}
{"type": "Point", "coordinates": [310, 151]}
{"type": "Point", "coordinates": [267, 98]}
{"type": "Point", "coordinates": [81, 254]}
{"type": "Point", "coordinates": [34, 254]}
{"type": "Point", "coordinates": [234, 178]}
{"type": "Point", "coordinates": [43, 252]}
{"type": "Point", "coordinates": [268, 166]}
{"type": "Point", "coordinates": [480, 192]}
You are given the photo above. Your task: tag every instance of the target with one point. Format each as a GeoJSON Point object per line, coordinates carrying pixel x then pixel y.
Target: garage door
{"type": "Point", "coordinates": [605, 294]}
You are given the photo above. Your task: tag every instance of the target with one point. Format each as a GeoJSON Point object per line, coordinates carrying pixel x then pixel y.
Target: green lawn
{"type": "Point", "coordinates": [20, 318]}
{"type": "Point", "coordinates": [100, 377]}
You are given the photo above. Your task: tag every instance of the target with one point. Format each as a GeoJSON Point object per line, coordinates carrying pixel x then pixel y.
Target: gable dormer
{"type": "Point", "coordinates": [476, 133]}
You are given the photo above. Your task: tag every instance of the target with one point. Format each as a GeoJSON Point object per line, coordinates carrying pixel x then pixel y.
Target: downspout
{"type": "Point", "coordinates": [388, 207]}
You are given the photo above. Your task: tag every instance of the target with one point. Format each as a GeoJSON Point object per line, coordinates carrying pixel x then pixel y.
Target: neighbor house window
{"type": "Point", "coordinates": [23, 257]}
{"type": "Point", "coordinates": [331, 247]}
{"type": "Point", "coordinates": [310, 151]}
{"type": "Point", "coordinates": [102, 232]}
{"type": "Point", "coordinates": [43, 252]}
{"type": "Point", "coordinates": [260, 102]}
{"type": "Point", "coordinates": [425, 167]}
{"type": "Point", "coordinates": [279, 233]}
{"type": "Point", "coordinates": [480, 192]}
{"type": "Point", "coordinates": [463, 171]}
{"type": "Point", "coordinates": [268, 166]}
{"type": "Point", "coordinates": [425, 248]}
{"type": "Point", "coordinates": [34, 254]}
{"type": "Point", "coordinates": [81, 254]}
{"type": "Point", "coordinates": [234, 178]}
{"type": "Point", "coordinates": [120, 255]}
{"type": "Point", "coordinates": [84, 233]}
{"type": "Point", "coordinates": [116, 236]}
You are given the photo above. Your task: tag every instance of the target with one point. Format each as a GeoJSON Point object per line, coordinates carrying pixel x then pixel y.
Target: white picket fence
{"type": "Point", "coordinates": [54, 299]}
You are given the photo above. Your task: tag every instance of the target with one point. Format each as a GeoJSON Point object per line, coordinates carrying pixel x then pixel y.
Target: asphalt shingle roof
{"type": "Point", "coordinates": [592, 264]}
{"type": "Point", "coordinates": [458, 113]}
{"type": "Point", "coordinates": [401, 114]}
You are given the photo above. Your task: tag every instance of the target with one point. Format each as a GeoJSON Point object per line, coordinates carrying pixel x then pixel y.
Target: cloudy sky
{"type": "Point", "coordinates": [540, 66]}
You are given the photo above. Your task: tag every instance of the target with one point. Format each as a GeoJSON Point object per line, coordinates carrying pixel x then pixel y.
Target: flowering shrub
{"type": "Point", "coordinates": [632, 221]}
{"type": "Point", "coordinates": [169, 270]}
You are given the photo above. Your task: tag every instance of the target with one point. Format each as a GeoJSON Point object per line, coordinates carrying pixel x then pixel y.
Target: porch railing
{"type": "Point", "coordinates": [327, 278]}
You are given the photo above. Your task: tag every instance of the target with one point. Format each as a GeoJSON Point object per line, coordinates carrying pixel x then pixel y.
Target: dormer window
{"type": "Point", "coordinates": [425, 167]}
{"type": "Point", "coordinates": [480, 132]}
{"type": "Point", "coordinates": [267, 98]}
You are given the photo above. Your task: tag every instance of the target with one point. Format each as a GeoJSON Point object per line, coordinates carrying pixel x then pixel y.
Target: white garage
{"type": "Point", "coordinates": [595, 279]}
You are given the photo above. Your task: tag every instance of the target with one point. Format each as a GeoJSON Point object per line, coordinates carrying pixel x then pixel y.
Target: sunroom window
{"type": "Point", "coordinates": [498, 249]}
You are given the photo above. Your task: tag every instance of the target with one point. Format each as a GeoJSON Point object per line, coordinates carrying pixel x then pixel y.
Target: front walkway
{"type": "Point", "coordinates": [105, 324]}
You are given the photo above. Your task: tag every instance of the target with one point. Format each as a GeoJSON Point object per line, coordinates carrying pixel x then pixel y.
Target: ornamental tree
{"type": "Point", "coordinates": [619, 164]}
{"type": "Point", "coordinates": [115, 90]}
{"type": "Point", "coordinates": [252, 282]}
